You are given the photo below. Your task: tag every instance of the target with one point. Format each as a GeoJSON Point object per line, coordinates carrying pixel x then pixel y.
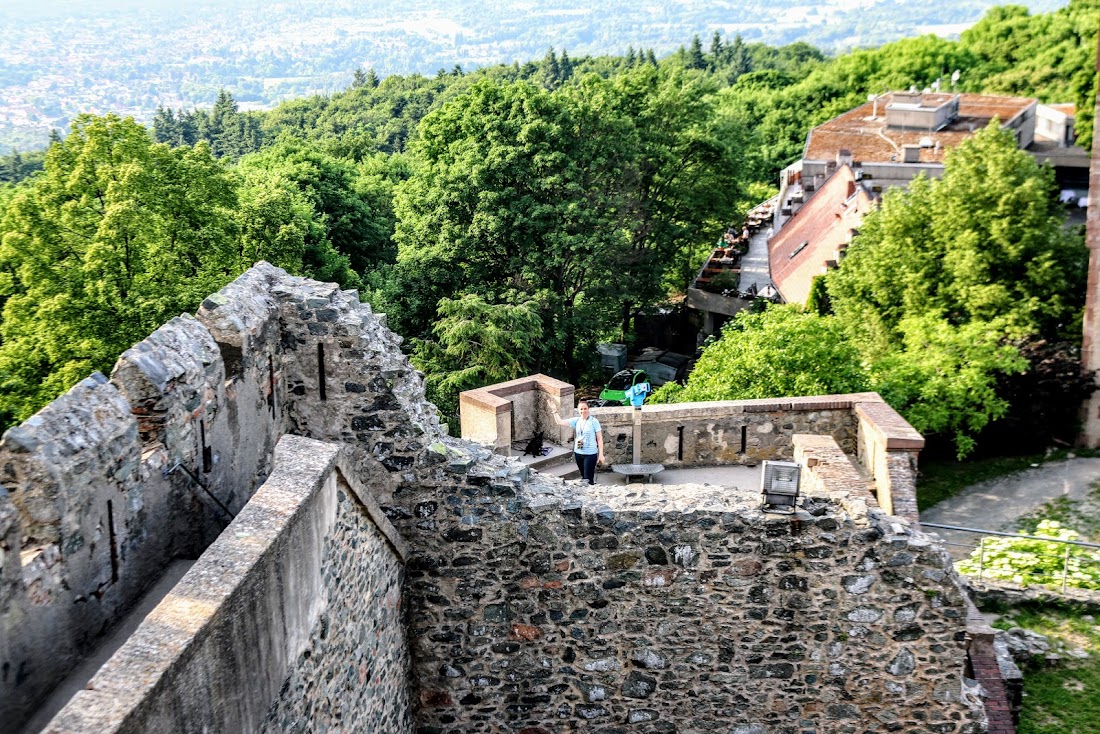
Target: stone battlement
{"type": "Point", "coordinates": [333, 570]}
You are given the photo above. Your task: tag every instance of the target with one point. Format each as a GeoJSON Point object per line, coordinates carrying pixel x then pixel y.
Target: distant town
{"type": "Point", "coordinates": [110, 56]}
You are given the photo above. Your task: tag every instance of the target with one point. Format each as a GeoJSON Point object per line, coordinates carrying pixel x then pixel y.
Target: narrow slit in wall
{"type": "Point", "coordinates": [113, 537]}
{"type": "Point", "coordinates": [321, 371]}
{"type": "Point", "coordinates": [271, 384]}
{"type": "Point", "coordinates": [680, 446]}
{"type": "Point", "coordinates": [207, 453]}
{"type": "Point", "coordinates": [744, 438]}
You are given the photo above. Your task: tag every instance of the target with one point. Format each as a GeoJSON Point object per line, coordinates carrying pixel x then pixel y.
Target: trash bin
{"type": "Point", "coordinates": [612, 356]}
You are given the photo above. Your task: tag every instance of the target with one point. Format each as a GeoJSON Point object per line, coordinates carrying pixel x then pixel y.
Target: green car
{"type": "Point", "coordinates": [614, 393]}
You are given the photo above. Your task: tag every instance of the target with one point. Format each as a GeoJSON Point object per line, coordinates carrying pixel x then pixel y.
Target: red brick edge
{"type": "Point", "coordinates": [998, 709]}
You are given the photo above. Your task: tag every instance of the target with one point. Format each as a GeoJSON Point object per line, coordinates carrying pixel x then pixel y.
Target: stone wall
{"type": "Point", "coordinates": [290, 621]}
{"type": "Point", "coordinates": [749, 431]}
{"type": "Point", "coordinates": [498, 415]}
{"type": "Point", "coordinates": [539, 607]}
{"type": "Point", "coordinates": [112, 481]}
{"type": "Point", "coordinates": [532, 606]}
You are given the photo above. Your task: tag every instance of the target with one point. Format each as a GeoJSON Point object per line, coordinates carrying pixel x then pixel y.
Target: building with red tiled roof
{"type": "Point", "coordinates": [814, 239]}
{"type": "Point", "coordinates": [895, 137]}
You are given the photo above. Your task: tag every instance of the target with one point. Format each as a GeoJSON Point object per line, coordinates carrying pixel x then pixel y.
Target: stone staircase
{"type": "Point", "coordinates": [557, 463]}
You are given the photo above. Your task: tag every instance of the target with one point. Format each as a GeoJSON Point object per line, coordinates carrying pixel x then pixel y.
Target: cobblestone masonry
{"type": "Point", "coordinates": [291, 621]}
{"type": "Point", "coordinates": [353, 676]}
{"type": "Point", "coordinates": [537, 607]}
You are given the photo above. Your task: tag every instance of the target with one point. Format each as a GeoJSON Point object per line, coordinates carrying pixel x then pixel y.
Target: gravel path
{"type": "Point", "coordinates": [998, 503]}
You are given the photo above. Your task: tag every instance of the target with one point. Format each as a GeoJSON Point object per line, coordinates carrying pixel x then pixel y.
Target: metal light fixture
{"type": "Point", "coordinates": [779, 481]}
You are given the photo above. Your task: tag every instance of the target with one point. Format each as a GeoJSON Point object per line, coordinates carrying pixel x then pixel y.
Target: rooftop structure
{"type": "Point", "coordinates": [815, 238]}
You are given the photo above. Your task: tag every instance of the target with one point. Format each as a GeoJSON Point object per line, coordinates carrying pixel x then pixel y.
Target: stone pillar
{"type": "Point", "coordinates": [1090, 346]}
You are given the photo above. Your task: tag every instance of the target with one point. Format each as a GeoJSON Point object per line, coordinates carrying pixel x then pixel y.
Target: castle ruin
{"type": "Point", "coordinates": [359, 570]}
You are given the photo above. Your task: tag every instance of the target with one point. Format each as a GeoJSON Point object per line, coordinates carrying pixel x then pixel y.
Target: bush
{"type": "Point", "coordinates": [1025, 561]}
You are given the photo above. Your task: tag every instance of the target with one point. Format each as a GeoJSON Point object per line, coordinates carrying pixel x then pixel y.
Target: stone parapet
{"type": "Point", "coordinates": [266, 630]}
{"type": "Point", "coordinates": [497, 415]}
{"type": "Point", "coordinates": [112, 481]}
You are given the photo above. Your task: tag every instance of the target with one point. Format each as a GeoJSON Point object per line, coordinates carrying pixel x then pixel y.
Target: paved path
{"type": "Point", "coordinates": [754, 264]}
{"type": "Point", "coordinates": [998, 503]}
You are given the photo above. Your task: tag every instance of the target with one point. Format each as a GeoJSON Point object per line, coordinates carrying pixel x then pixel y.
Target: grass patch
{"type": "Point", "coordinates": [1063, 699]}
{"type": "Point", "coordinates": [1081, 515]}
{"type": "Point", "coordinates": [941, 479]}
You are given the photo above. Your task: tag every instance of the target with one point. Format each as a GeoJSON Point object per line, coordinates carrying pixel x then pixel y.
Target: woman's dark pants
{"type": "Point", "coordinates": [586, 463]}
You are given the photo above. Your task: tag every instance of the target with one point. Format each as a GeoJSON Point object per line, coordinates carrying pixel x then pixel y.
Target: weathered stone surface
{"type": "Point", "coordinates": [538, 607]}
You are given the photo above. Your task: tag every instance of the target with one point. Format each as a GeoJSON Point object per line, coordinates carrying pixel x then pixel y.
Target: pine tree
{"type": "Point", "coordinates": [695, 58]}
{"type": "Point", "coordinates": [551, 70]}
{"type": "Point", "coordinates": [651, 58]}
{"type": "Point", "coordinates": [739, 60]}
{"type": "Point", "coordinates": [566, 65]}
{"type": "Point", "coordinates": [372, 79]}
{"type": "Point", "coordinates": [717, 50]}
{"type": "Point", "coordinates": [358, 78]}
{"type": "Point", "coordinates": [631, 58]}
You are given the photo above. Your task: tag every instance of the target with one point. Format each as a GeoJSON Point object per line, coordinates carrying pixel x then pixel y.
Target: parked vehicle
{"type": "Point", "coordinates": [614, 393]}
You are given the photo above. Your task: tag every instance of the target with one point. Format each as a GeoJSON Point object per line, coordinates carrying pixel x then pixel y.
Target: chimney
{"type": "Point", "coordinates": [843, 157]}
{"type": "Point", "coordinates": [910, 153]}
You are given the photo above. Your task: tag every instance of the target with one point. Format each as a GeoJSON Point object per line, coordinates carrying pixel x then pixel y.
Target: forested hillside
{"type": "Point", "coordinates": [505, 219]}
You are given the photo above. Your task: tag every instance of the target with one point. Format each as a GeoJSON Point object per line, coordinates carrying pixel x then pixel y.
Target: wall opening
{"type": "Point", "coordinates": [744, 438]}
{"type": "Point", "coordinates": [321, 371]}
{"type": "Point", "coordinates": [113, 537]}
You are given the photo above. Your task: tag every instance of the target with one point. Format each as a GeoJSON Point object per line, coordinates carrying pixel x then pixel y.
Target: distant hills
{"type": "Point", "coordinates": [60, 57]}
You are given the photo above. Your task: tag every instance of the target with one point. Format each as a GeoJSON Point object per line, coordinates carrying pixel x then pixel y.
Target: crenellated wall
{"type": "Point", "coordinates": [290, 621]}
{"type": "Point", "coordinates": [115, 479]}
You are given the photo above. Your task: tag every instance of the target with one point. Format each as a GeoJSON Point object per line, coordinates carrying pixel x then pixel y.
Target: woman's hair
{"type": "Point", "coordinates": [582, 402]}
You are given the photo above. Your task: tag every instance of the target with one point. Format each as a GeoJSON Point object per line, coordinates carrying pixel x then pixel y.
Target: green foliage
{"type": "Point", "coordinates": [1026, 562]}
{"type": "Point", "coordinates": [782, 351]}
{"type": "Point", "coordinates": [476, 343]}
{"type": "Point", "coordinates": [1048, 55]}
{"type": "Point", "coordinates": [350, 208]}
{"type": "Point", "coordinates": [944, 275]}
{"type": "Point", "coordinates": [585, 198]}
{"type": "Point", "coordinates": [114, 237]}
{"type": "Point", "coordinates": [943, 378]}
{"type": "Point", "coordinates": [514, 189]}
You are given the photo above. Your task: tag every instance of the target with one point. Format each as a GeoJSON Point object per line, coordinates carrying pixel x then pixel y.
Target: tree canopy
{"type": "Point", "coordinates": [116, 235]}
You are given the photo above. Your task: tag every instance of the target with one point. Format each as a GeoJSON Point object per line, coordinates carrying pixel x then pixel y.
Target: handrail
{"type": "Point", "coordinates": [1007, 535]}
{"type": "Point", "coordinates": [980, 547]}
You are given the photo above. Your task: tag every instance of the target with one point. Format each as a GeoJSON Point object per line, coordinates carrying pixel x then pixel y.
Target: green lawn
{"type": "Point", "coordinates": [1065, 699]}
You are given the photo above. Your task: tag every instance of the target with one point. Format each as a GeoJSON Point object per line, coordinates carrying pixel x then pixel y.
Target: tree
{"type": "Point", "coordinates": [358, 78]}
{"type": "Point", "coordinates": [781, 351]}
{"type": "Point", "coordinates": [943, 377]}
{"type": "Point", "coordinates": [694, 57]}
{"type": "Point", "coordinates": [476, 343]}
{"type": "Point", "coordinates": [515, 189]}
{"type": "Point", "coordinates": [352, 219]}
{"type": "Point", "coordinates": [685, 181]}
{"type": "Point", "coordinates": [983, 243]}
{"type": "Point", "coordinates": [946, 277]}
{"type": "Point", "coordinates": [116, 235]}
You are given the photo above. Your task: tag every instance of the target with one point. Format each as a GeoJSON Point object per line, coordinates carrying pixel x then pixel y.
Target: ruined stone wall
{"type": "Point", "coordinates": [538, 607]}
{"type": "Point", "coordinates": [290, 621]}
{"type": "Point", "coordinates": [109, 483]}
{"type": "Point", "coordinates": [726, 432]}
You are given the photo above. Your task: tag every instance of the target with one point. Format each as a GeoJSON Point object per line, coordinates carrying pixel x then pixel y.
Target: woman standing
{"type": "Point", "coordinates": [588, 442]}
